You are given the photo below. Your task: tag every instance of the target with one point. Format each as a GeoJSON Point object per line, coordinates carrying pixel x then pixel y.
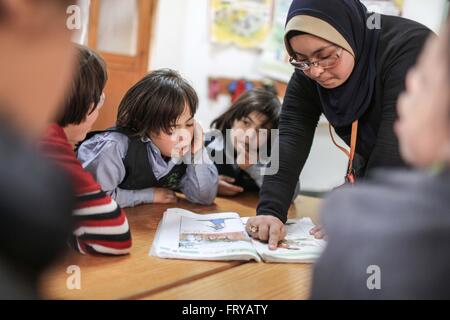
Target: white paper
{"type": "Point", "coordinates": [186, 235]}
{"type": "Point", "coordinates": [298, 246]}
{"type": "Point", "coordinates": [222, 236]}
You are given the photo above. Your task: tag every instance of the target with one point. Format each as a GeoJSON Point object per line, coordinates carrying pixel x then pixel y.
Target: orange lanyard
{"type": "Point", "coordinates": [350, 177]}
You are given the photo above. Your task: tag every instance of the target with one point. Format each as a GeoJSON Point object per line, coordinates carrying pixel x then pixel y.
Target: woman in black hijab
{"type": "Point", "coordinates": [350, 65]}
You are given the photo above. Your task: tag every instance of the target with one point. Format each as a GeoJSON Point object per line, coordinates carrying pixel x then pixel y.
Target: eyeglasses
{"type": "Point", "coordinates": [326, 63]}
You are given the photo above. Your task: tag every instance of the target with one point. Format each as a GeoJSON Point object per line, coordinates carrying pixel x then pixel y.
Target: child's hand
{"type": "Point", "coordinates": [163, 195]}
{"type": "Point", "coordinates": [243, 158]}
{"type": "Point", "coordinates": [227, 188]}
{"type": "Point", "coordinates": [197, 139]}
{"type": "Point", "coordinates": [180, 149]}
{"type": "Point", "coordinates": [245, 166]}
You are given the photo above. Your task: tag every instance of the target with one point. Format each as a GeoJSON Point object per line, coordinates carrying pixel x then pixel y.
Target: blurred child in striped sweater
{"type": "Point", "coordinates": [100, 225]}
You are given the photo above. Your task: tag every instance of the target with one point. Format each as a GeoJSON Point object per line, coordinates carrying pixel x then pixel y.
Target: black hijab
{"type": "Point", "coordinates": [348, 102]}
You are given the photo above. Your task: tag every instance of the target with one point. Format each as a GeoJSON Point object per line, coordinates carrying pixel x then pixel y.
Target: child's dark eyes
{"type": "Point", "coordinates": [188, 125]}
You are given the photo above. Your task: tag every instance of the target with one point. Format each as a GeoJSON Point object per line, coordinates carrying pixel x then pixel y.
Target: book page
{"type": "Point", "coordinates": [298, 246]}
{"type": "Point", "coordinates": [185, 235]}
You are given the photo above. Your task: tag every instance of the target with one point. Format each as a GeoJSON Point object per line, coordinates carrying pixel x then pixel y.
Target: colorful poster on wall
{"type": "Point", "coordinates": [274, 61]}
{"type": "Point", "coordinates": [244, 23]}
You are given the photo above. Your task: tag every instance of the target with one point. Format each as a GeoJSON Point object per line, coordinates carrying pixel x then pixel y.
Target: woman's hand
{"type": "Point", "coordinates": [318, 232]}
{"type": "Point", "coordinates": [266, 228]}
{"type": "Point", "coordinates": [227, 188]}
{"type": "Point", "coordinates": [163, 195]}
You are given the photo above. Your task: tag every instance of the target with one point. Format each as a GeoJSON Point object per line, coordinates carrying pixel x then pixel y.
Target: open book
{"type": "Point", "coordinates": [183, 234]}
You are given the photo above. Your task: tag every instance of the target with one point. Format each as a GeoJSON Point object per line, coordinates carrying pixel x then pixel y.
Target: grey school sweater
{"type": "Point", "coordinates": [396, 226]}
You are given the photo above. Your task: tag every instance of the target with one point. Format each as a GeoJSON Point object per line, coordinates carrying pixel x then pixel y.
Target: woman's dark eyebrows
{"type": "Point", "coordinates": [323, 48]}
{"type": "Point", "coordinates": [315, 52]}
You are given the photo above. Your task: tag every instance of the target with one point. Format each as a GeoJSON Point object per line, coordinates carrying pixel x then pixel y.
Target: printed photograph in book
{"type": "Point", "coordinates": [196, 234]}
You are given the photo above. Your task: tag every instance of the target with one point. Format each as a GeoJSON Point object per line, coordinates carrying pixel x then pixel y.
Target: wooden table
{"type": "Point", "coordinates": [140, 276]}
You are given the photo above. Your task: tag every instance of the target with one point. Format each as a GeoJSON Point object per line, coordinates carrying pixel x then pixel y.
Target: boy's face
{"type": "Point", "coordinates": [36, 62]}
{"type": "Point", "coordinates": [178, 143]}
{"type": "Point", "coordinates": [423, 127]}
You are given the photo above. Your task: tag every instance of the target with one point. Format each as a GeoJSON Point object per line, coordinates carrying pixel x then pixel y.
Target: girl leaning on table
{"type": "Point", "coordinates": [236, 140]}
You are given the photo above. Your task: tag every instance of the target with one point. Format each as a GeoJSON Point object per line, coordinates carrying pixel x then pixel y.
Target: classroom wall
{"type": "Point", "coordinates": [182, 43]}
{"type": "Point", "coordinates": [430, 12]}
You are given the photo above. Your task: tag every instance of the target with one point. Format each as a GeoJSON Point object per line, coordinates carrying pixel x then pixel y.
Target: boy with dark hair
{"type": "Point", "coordinates": [155, 148]}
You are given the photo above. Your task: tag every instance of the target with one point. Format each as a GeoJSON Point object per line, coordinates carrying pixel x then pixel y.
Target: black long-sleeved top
{"type": "Point", "coordinates": [400, 44]}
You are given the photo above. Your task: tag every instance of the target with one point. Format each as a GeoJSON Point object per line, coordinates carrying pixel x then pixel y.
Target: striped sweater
{"type": "Point", "coordinates": [100, 225]}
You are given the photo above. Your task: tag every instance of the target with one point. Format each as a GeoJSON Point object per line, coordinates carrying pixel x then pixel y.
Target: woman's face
{"type": "Point", "coordinates": [423, 127]}
{"type": "Point", "coordinates": [311, 48]}
{"type": "Point", "coordinates": [178, 143]}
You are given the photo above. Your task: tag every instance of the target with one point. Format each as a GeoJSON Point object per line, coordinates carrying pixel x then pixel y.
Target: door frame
{"type": "Point", "coordinates": [138, 62]}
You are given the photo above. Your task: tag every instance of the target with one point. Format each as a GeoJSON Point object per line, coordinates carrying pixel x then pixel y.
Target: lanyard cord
{"type": "Point", "coordinates": [350, 154]}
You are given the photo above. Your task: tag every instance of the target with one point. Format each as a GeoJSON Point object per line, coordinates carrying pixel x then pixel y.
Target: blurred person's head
{"type": "Point", "coordinates": [86, 95]}
{"type": "Point", "coordinates": [36, 60]}
{"type": "Point", "coordinates": [423, 127]}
